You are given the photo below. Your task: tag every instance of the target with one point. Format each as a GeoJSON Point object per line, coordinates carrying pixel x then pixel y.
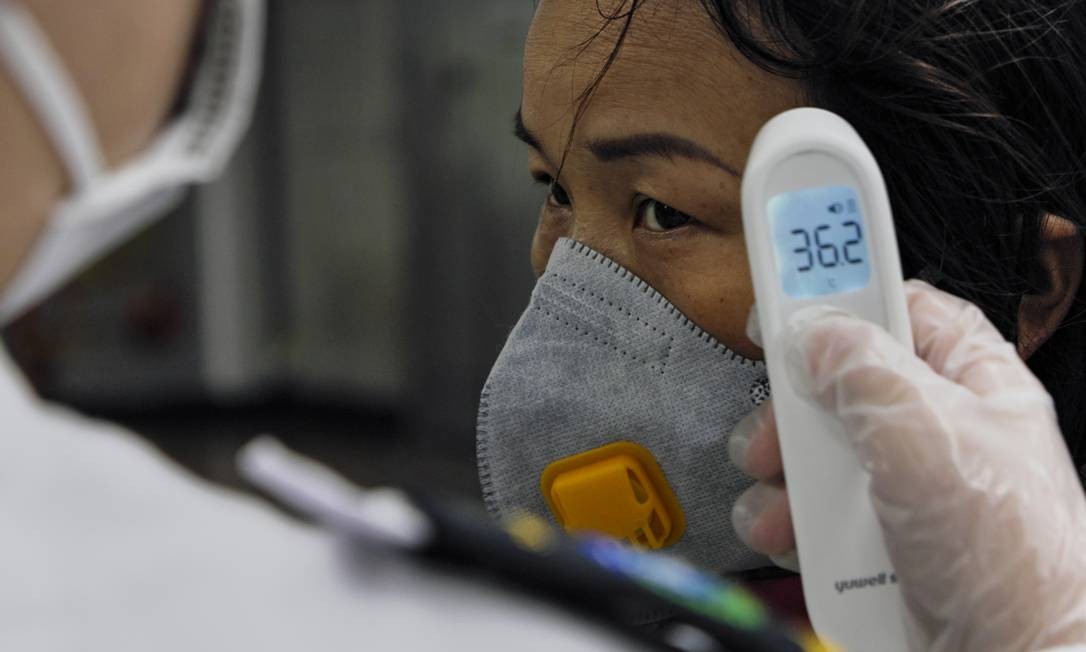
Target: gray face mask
{"type": "Point", "coordinates": [598, 358]}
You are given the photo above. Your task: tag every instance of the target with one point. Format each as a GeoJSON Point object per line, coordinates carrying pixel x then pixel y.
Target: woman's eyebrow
{"type": "Point", "coordinates": [522, 133]}
{"type": "Point", "coordinates": [611, 149]}
{"type": "Point", "coordinates": [660, 144]}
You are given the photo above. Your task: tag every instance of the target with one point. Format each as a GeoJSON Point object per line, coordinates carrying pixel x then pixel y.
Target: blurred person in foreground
{"type": "Point", "coordinates": [107, 110]}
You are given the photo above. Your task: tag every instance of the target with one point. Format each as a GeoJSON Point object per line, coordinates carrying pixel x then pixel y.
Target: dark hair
{"type": "Point", "coordinates": [976, 112]}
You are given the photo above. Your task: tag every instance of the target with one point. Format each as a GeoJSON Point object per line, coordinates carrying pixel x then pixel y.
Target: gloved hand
{"type": "Point", "coordinates": [982, 512]}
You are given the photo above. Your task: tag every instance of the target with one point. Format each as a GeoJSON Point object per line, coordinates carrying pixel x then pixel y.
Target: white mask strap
{"type": "Point", "coordinates": [50, 91]}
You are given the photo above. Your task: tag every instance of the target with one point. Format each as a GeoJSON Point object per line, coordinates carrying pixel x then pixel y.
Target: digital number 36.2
{"type": "Point", "coordinates": [827, 253]}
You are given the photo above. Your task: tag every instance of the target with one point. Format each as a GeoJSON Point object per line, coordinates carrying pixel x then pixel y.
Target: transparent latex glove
{"type": "Point", "coordinates": [983, 514]}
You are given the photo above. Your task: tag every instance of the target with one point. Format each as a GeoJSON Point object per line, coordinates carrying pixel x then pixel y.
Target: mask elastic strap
{"type": "Point", "coordinates": [50, 91]}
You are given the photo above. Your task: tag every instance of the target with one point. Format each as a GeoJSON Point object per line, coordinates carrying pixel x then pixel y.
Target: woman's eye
{"type": "Point", "coordinates": [657, 216]}
{"type": "Point", "coordinates": [558, 196]}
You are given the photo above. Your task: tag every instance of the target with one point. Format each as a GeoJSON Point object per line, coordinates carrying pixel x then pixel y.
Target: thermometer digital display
{"type": "Point", "coordinates": [818, 235]}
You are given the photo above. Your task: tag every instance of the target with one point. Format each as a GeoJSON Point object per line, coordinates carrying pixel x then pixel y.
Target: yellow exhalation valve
{"type": "Point", "coordinates": [618, 490]}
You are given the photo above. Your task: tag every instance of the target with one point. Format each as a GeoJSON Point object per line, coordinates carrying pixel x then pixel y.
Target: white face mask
{"type": "Point", "coordinates": [105, 206]}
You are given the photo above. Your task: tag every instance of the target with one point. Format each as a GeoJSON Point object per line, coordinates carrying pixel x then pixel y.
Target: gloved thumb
{"type": "Point", "coordinates": [754, 327]}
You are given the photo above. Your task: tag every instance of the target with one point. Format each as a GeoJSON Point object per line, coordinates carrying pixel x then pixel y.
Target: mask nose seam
{"type": "Point", "coordinates": [656, 368]}
{"type": "Point", "coordinates": [577, 287]}
{"type": "Point", "coordinates": [587, 252]}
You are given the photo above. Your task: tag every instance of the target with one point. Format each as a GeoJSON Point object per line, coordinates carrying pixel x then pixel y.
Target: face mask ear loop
{"type": "Point", "coordinates": [50, 91]}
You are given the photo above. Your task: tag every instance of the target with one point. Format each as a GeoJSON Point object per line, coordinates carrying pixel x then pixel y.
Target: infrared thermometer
{"type": "Point", "coordinates": [819, 232]}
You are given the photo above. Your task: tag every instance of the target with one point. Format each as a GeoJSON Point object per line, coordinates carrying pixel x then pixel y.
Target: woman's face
{"type": "Point", "coordinates": [652, 175]}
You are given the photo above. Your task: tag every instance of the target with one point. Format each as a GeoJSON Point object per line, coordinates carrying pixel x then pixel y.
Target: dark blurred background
{"type": "Point", "coordinates": [347, 285]}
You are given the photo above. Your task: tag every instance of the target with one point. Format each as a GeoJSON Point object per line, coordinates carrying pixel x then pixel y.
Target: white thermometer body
{"type": "Point", "coordinates": [819, 231]}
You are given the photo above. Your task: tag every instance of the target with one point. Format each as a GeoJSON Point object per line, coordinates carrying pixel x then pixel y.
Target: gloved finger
{"type": "Point", "coordinates": [754, 328]}
{"type": "Point", "coordinates": [959, 343]}
{"type": "Point", "coordinates": [763, 520]}
{"type": "Point", "coordinates": [753, 445]}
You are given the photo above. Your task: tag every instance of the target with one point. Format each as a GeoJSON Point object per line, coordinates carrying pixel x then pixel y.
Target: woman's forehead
{"type": "Point", "coordinates": [675, 72]}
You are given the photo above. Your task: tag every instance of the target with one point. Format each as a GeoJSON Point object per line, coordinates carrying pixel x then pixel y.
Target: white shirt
{"type": "Point", "coordinates": [107, 545]}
